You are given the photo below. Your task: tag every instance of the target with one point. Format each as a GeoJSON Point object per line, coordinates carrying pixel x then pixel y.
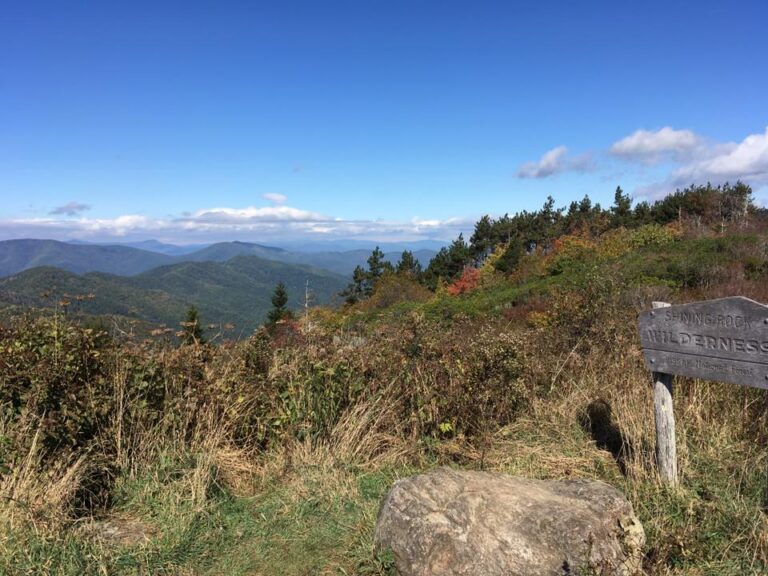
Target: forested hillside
{"type": "Point", "coordinates": [234, 293]}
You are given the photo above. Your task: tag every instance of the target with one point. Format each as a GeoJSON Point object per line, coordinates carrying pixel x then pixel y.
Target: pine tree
{"type": "Point", "coordinates": [376, 268]}
{"type": "Point", "coordinates": [481, 241]}
{"type": "Point", "coordinates": [510, 258]}
{"type": "Point", "coordinates": [621, 211]}
{"type": "Point", "coordinates": [192, 328]}
{"type": "Point", "coordinates": [585, 206]}
{"type": "Point", "coordinates": [409, 266]}
{"type": "Point", "coordinates": [364, 281]}
{"type": "Point", "coordinates": [355, 290]}
{"type": "Point", "coordinates": [279, 302]}
{"type": "Point", "coordinates": [448, 263]}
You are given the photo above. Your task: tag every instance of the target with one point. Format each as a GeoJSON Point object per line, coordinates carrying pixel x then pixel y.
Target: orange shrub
{"type": "Point", "coordinates": [467, 282]}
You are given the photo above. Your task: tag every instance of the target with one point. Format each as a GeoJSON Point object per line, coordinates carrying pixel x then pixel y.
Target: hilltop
{"type": "Point", "coordinates": [515, 352]}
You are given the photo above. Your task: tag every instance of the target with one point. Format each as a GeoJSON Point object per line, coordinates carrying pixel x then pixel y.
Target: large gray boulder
{"type": "Point", "coordinates": [451, 522]}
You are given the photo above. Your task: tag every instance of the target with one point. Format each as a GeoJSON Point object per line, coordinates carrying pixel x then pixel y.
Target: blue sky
{"type": "Point", "coordinates": [190, 121]}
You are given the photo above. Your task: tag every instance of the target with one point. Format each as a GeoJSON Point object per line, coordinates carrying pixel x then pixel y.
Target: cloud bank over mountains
{"type": "Point", "coordinates": [666, 158]}
{"type": "Point", "coordinates": [259, 223]}
{"type": "Point", "coordinates": [276, 221]}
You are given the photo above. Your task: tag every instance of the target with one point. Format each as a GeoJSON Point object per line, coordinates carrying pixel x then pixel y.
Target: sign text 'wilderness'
{"type": "Point", "coordinates": [724, 340]}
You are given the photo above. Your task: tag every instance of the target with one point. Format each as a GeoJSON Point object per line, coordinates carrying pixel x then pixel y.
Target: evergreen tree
{"type": "Point", "coordinates": [459, 256]}
{"type": "Point", "coordinates": [642, 214]}
{"type": "Point", "coordinates": [409, 266]}
{"type": "Point", "coordinates": [364, 281]}
{"type": "Point", "coordinates": [706, 206]}
{"type": "Point", "coordinates": [448, 263]}
{"type": "Point", "coordinates": [621, 211]}
{"type": "Point", "coordinates": [511, 256]}
{"type": "Point", "coordinates": [355, 290]}
{"type": "Point", "coordinates": [481, 242]}
{"type": "Point", "coordinates": [547, 223]}
{"type": "Point", "coordinates": [585, 206]}
{"type": "Point", "coordinates": [279, 302]}
{"type": "Point", "coordinates": [502, 230]}
{"type": "Point", "coordinates": [572, 218]}
{"type": "Point", "coordinates": [376, 267]}
{"type": "Point", "coordinates": [580, 217]}
{"type": "Point", "coordinates": [192, 328]}
{"type": "Point", "coordinates": [437, 269]}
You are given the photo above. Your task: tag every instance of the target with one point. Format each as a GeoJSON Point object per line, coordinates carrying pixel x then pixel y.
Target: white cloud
{"type": "Point", "coordinates": [82, 227]}
{"type": "Point", "coordinates": [552, 162]}
{"type": "Point", "coordinates": [420, 225]}
{"type": "Point", "coordinates": [747, 160]}
{"type": "Point", "coordinates": [652, 147]}
{"type": "Point", "coordinates": [555, 161]}
{"type": "Point", "coordinates": [270, 223]}
{"type": "Point", "coordinates": [717, 163]}
{"type": "Point", "coordinates": [121, 225]}
{"type": "Point", "coordinates": [254, 215]}
{"type": "Point", "coordinates": [276, 198]}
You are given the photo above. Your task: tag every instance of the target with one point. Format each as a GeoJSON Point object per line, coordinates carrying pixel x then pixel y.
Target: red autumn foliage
{"type": "Point", "coordinates": [467, 282]}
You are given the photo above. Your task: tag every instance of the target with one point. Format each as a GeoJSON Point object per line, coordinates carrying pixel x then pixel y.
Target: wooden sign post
{"type": "Point", "coordinates": [724, 340]}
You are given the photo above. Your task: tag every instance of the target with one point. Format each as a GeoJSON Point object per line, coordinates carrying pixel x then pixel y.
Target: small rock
{"type": "Point", "coordinates": [121, 530]}
{"type": "Point", "coordinates": [451, 522]}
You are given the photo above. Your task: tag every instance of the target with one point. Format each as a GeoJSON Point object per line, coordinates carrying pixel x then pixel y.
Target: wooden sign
{"type": "Point", "coordinates": [724, 340]}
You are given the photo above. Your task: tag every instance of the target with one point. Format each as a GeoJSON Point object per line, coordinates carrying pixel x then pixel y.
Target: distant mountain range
{"type": "Point", "coordinates": [237, 291]}
{"type": "Point", "coordinates": [229, 282]}
{"type": "Point", "coordinates": [367, 245]}
{"type": "Point", "coordinates": [338, 262]}
{"type": "Point", "coordinates": [151, 245]}
{"type": "Point", "coordinates": [290, 246]}
{"type": "Point", "coordinates": [129, 260]}
{"type": "Point", "coordinates": [18, 255]}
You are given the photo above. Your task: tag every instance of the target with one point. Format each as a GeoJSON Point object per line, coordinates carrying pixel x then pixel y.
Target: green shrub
{"type": "Point", "coordinates": [53, 375]}
{"type": "Point", "coordinates": [310, 406]}
{"type": "Point", "coordinates": [755, 268]}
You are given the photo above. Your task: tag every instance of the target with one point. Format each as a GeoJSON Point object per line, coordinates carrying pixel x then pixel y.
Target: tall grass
{"type": "Point", "coordinates": [271, 455]}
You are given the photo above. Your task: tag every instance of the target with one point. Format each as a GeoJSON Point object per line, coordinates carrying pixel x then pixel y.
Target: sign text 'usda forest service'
{"type": "Point", "coordinates": [724, 340]}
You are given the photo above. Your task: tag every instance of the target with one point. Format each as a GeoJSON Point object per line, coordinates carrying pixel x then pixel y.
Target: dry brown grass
{"type": "Point", "coordinates": [368, 434]}
{"type": "Point", "coordinates": [41, 493]}
{"type": "Point", "coordinates": [364, 438]}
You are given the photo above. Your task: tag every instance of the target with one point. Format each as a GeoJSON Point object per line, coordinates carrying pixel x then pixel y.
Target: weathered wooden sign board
{"type": "Point", "coordinates": [724, 340]}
